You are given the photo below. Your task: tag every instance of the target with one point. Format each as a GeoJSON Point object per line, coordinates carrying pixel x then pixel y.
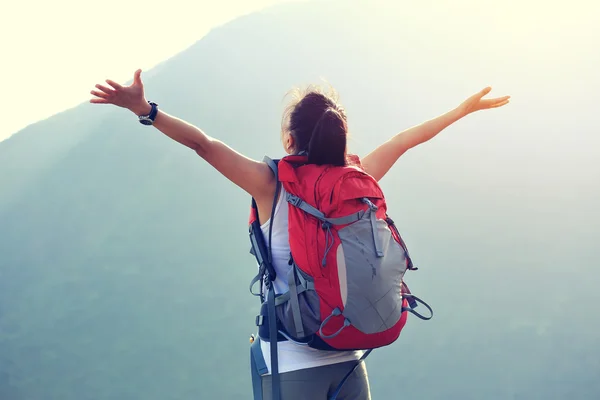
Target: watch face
{"type": "Point", "coordinates": [145, 121]}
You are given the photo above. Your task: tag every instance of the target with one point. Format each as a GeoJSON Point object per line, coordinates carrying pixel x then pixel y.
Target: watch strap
{"type": "Point", "coordinates": [149, 119]}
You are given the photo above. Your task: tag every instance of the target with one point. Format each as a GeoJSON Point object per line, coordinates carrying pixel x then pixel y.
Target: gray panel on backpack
{"type": "Point", "coordinates": [373, 297]}
{"type": "Point", "coordinates": [309, 309]}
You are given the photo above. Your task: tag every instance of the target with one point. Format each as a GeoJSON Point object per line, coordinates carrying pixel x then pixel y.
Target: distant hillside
{"type": "Point", "coordinates": [124, 260]}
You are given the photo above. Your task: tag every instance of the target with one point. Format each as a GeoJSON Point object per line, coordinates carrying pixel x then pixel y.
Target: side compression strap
{"type": "Point", "coordinates": [295, 304]}
{"type": "Point", "coordinates": [339, 387]}
{"type": "Point", "coordinates": [301, 288]}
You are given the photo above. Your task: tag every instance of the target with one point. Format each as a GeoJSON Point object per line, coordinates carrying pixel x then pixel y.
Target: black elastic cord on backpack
{"type": "Point", "coordinates": [339, 387]}
{"type": "Point", "coordinates": [413, 302]}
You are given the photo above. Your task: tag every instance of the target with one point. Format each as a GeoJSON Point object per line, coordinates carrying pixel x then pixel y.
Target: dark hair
{"type": "Point", "coordinates": [318, 125]}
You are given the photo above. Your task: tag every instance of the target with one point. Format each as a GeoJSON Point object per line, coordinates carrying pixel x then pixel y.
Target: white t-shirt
{"type": "Point", "coordinates": [292, 356]}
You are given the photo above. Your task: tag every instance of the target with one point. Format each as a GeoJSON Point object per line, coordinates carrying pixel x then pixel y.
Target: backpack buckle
{"type": "Point", "coordinates": [368, 202]}
{"type": "Point", "coordinates": [259, 320]}
{"type": "Point", "coordinates": [294, 200]}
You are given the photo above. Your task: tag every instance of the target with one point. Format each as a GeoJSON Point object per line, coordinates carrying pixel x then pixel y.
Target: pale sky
{"type": "Point", "coordinates": [53, 52]}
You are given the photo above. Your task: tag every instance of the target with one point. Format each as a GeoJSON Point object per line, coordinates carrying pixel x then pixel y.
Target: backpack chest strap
{"type": "Point", "coordinates": [307, 208]}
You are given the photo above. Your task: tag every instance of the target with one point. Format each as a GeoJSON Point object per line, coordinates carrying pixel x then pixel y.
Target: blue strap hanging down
{"type": "Point", "coordinates": [258, 368]}
{"type": "Point", "coordinates": [273, 343]}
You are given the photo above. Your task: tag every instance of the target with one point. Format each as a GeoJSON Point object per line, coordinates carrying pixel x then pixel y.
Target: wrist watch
{"type": "Point", "coordinates": [149, 119]}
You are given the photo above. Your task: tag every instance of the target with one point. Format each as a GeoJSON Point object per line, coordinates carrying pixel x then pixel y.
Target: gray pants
{"type": "Point", "coordinates": [318, 383]}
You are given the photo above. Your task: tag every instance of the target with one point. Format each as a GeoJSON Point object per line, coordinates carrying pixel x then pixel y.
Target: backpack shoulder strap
{"type": "Point", "coordinates": [259, 249]}
{"type": "Point", "coordinates": [276, 393]}
{"type": "Point", "coordinates": [273, 165]}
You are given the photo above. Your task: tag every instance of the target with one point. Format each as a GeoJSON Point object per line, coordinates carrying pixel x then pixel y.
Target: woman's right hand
{"type": "Point", "coordinates": [130, 97]}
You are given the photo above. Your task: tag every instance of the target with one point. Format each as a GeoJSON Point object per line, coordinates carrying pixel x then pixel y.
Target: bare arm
{"type": "Point", "coordinates": [253, 176]}
{"type": "Point", "coordinates": [379, 161]}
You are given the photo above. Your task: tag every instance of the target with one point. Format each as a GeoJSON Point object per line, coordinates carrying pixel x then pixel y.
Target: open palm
{"type": "Point", "coordinates": [130, 97]}
{"type": "Point", "coordinates": [476, 102]}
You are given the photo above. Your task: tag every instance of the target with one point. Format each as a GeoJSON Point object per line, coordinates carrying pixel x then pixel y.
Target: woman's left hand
{"type": "Point", "coordinates": [476, 102]}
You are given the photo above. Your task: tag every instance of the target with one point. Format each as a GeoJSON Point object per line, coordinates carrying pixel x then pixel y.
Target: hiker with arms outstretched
{"type": "Point", "coordinates": [331, 260]}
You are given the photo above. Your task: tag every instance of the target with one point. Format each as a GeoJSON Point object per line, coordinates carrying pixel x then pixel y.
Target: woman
{"type": "Point", "coordinates": [315, 123]}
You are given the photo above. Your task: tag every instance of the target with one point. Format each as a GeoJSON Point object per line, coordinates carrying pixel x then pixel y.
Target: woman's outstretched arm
{"type": "Point", "coordinates": [253, 176]}
{"type": "Point", "coordinates": [379, 161]}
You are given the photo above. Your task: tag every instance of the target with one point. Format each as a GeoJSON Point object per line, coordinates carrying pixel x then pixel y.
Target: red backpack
{"type": "Point", "coordinates": [346, 288]}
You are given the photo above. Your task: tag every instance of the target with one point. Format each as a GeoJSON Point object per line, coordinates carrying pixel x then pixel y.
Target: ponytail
{"type": "Point", "coordinates": [327, 144]}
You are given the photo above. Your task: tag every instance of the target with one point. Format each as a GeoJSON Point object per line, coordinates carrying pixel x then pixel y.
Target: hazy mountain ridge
{"type": "Point", "coordinates": [124, 258]}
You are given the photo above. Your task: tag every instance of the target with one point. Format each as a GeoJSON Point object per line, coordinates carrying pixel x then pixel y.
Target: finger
{"type": "Point", "coordinates": [491, 102]}
{"type": "Point", "coordinates": [499, 99]}
{"type": "Point", "coordinates": [99, 101]}
{"type": "Point", "coordinates": [104, 89]}
{"type": "Point", "coordinates": [114, 84]}
{"type": "Point", "coordinates": [137, 77]}
{"type": "Point", "coordinates": [477, 96]}
{"type": "Point", "coordinates": [502, 103]}
{"type": "Point", "coordinates": [99, 94]}
{"type": "Point", "coordinates": [485, 91]}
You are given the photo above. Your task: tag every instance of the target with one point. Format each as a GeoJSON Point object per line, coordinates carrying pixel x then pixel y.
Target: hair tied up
{"type": "Point", "coordinates": [327, 144]}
